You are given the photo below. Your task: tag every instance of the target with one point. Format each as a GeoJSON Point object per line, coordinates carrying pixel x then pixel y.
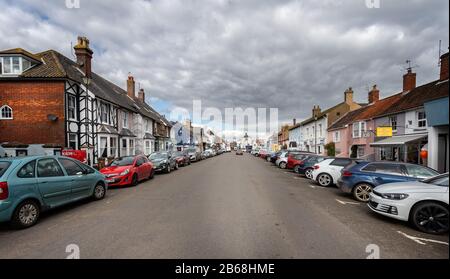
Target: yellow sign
{"type": "Point", "coordinates": [384, 132]}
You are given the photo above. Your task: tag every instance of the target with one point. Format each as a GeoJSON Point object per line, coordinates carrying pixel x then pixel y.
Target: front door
{"type": "Point", "coordinates": [54, 186]}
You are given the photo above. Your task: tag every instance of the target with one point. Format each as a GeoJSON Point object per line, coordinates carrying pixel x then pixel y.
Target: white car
{"type": "Point", "coordinates": [423, 203]}
{"type": "Point", "coordinates": [282, 160]}
{"type": "Point", "coordinates": [328, 171]}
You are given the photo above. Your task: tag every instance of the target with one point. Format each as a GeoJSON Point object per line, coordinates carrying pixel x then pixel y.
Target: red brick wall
{"type": "Point", "coordinates": [31, 103]}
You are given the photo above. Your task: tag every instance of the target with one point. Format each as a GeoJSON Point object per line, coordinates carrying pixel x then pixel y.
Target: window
{"type": "Point", "coordinates": [320, 130]}
{"type": "Point", "coordinates": [3, 167]}
{"type": "Point", "coordinates": [359, 129]}
{"type": "Point", "coordinates": [6, 112]}
{"type": "Point", "coordinates": [148, 147]}
{"type": "Point", "coordinates": [72, 142]}
{"type": "Point", "coordinates": [420, 172]}
{"type": "Point", "coordinates": [71, 107]}
{"type": "Point", "coordinates": [113, 147]}
{"type": "Point", "coordinates": [21, 153]}
{"type": "Point", "coordinates": [27, 171]}
{"type": "Point", "coordinates": [394, 169]}
{"type": "Point", "coordinates": [103, 147]}
{"type": "Point", "coordinates": [393, 122]}
{"type": "Point", "coordinates": [421, 119]}
{"type": "Point", "coordinates": [125, 119]}
{"type": "Point", "coordinates": [105, 110]}
{"type": "Point", "coordinates": [14, 65]}
{"type": "Point", "coordinates": [148, 126]}
{"type": "Point", "coordinates": [7, 69]}
{"type": "Point", "coordinates": [341, 162]}
{"type": "Point", "coordinates": [71, 167]}
{"type": "Point", "coordinates": [360, 151]}
{"type": "Point", "coordinates": [337, 136]}
{"type": "Point", "coordinates": [49, 168]}
{"type": "Point", "coordinates": [124, 148]}
{"type": "Point", "coordinates": [131, 147]}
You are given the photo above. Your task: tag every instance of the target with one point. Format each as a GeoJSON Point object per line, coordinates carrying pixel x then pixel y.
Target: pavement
{"type": "Point", "coordinates": [225, 207]}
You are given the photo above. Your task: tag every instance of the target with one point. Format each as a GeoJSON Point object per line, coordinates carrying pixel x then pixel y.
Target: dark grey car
{"type": "Point", "coordinates": [163, 161]}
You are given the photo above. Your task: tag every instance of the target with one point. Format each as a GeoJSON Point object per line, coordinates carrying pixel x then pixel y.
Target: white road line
{"type": "Point", "coordinates": [312, 186]}
{"type": "Point", "coordinates": [422, 241]}
{"type": "Point", "coordinates": [297, 178]}
{"type": "Point", "coordinates": [344, 203]}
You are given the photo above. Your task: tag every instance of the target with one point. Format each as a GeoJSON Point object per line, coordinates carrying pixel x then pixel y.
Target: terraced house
{"type": "Point", "coordinates": [49, 103]}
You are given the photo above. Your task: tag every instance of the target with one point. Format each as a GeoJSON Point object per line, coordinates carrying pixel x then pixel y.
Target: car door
{"type": "Point", "coordinates": [389, 173]}
{"type": "Point", "coordinates": [26, 179]}
{"type": "Point", "coordinates": [54, 185]}
{"type": "Point", "coordinates": [147, 166]}
{"type": "Point", "coordinates": [82, 181]}
{"type": "Point", "coordinates": [140, 168]}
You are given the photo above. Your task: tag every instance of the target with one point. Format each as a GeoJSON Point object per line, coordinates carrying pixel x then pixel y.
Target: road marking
{"type": "Point", "coordinates": [421, 240]}
{"type": "Point", "coordinates": [297, 178]}
{"type": "Point", "coordinates": [312, 186]}
{"type": "Point", "coordinates": [344, 203]}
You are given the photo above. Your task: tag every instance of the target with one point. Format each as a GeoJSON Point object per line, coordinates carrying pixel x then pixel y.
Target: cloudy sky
{"type": "Point", "coordinates": [248, 53]}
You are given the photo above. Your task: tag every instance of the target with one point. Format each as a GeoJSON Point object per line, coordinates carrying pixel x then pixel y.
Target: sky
{"type": "Point", "coordinates": [289, 55]}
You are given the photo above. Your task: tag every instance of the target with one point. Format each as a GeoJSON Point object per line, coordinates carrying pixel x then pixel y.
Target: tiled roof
{"type": "Point", "coordinates": [55, 65]}
{"type": "Point", "coordinates": [321, 115]}
{"type": "Point", "coordinates": [20, 51]}
{"type": "Point", "coordinates": [349, 117]}
{"type": "Point", "coordinates": [418, 96]}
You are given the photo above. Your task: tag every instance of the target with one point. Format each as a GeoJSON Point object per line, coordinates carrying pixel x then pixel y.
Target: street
{"type": "Point", "coordinates": [225, 207]}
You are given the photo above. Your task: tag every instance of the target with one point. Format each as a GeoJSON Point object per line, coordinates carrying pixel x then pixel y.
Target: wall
{"type": "Point", "coordinates": [32, 102]}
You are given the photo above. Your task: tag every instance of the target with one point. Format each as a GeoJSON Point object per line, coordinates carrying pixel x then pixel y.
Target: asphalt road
{"type": "Point", "coordinates": [224, 207]}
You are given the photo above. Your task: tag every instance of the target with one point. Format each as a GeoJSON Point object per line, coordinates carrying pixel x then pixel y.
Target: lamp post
{"type": "Point", "coordinates": [87, 81]}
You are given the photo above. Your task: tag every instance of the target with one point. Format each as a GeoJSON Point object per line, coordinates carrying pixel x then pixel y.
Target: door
{"type": "Point", "coordinates": [54, 186]}
{"type": "Point", "coordinates": [82, 182]}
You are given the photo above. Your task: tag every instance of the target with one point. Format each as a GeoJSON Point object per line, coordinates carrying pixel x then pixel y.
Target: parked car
{"type": "Point", "coordinates": [128, 170]}
{"type": "Point", "coordinates": [275, 157]}
{"type": "Point", "coordinates": [327, 172]}
{"type": "Point", "coordinates": [263, 153]}
{"type": "Point", "coordinates": [239, 152]}
{"type": "Point", "coordinates": [361, 179]}
{"type": "Point", "coordinates": [423, 203]}
{"type": "Point", "coordinates": [306, 166]}
{"type": "Point", "coordinates": [29, 185]}
{"type": "Point", "coordinates": [194, 154]}
{"type": "Point", "coordinates": [182, 158]}
{"type": "Point", "coordinates": [295, 159]}
{"type": "Point", "coordinates": [255, 152]}
{"type": "Point", "coordinates": [163, 161]}
{"type": "Point", "coordinates": [283, 158]}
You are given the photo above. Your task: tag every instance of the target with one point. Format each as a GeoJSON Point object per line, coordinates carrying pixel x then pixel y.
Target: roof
{"type": "Point", "coordinates": [20, 51]}
{"type": "Point", "coordinates": [56, 65]}
{"type": "Point", "coordinates": [321, 114]}
{"type": "Point", "coordinates": [418, 96]}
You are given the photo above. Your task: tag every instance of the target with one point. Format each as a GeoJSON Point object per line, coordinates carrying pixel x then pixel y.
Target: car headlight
{"type": "Point", "coordinates": [395, 196]}
{"type": "Point", "coordinates": [125, 172]}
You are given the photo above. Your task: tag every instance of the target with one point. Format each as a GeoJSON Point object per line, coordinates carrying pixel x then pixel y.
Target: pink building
{"type": "Point", "coordinates": [355, 131]}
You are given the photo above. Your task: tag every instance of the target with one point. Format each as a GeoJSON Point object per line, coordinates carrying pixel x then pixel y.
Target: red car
{"type": "Point", "coordinates": [296, 159]}
{"type": "Point", "coordinates": [263, 154]}
{"type": "Point", "coordinates": [128, 170]}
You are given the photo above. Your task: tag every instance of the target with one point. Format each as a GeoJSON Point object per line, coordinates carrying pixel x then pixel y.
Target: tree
{"type": "Point", "coordinates": [331, 149]}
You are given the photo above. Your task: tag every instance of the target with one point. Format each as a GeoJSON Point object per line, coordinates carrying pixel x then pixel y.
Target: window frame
{"type": "Point", "coordinates": [69, 140]}
{"type": "Point", "coordinates": [70, 97]}
{"type": "Point", "coordinates": [421, 120]}
{"type": "Point", "coordinates": [10, 110]}
{"type": "Point", "coordinates": [392, 120]}
{"type": "Point", "coordinates": [125, 119]}
{"type": "Point", "coordinates": [56, 162]}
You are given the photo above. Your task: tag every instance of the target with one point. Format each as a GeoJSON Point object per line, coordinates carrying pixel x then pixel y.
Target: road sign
{"type": "Point", "coordinates": [384, 131]}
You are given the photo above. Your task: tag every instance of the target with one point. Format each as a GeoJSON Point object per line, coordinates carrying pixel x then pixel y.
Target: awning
{"type": "Point", "coordinates": [399, 140]}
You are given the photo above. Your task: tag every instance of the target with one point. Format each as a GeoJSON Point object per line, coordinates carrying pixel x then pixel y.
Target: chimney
{"type": "Point", "coordinates": [294, 122]}
{"type": "Point", "coordinates": [374, 95]}
{"type": "Point", "coordinates": [409, 81]}
{"type": "Point", "coordinates": [348, 96]}
{"type": "Point", "coordinates": [141, 95]}
{"type": "Point", "coordinates": [131, 89]}
{"type": "Point", "coordinates": [316, 111]}
{"type": "Point", "coordinates": [444, 67]}
{"type": "Point", "coordinates": [84, 55]}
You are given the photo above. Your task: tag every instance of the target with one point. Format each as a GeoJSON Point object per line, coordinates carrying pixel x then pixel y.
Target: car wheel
{"type": "Point", "coordinates": [168, 168]}
{"type": "Point", "coordinates": [99, 192]}
{"type": "Point", "coordinates": [297, 169]}
{"type": "Point", "coordinates": [134, 180]}
{"type": "Point", "coordinates": [362, 192]}
{"type": "Point", "coordinates": [152, 174]}
{"type": "Point", "coordinates": [324, 180]}
{"type": "Point", "coordinates": [177, 166]}
{"type": "Point", "coordinates": [283, 165]}
{"type": "Point", "coordinates": [309, 173]}
{"type": "Point", "coordinates": [25, 215]}
{"type": "Point", "coordinates": [430, 217]}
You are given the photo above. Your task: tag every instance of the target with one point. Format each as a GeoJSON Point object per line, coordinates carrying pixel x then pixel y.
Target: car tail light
{"type": "Point", "coordinates": [347, 173]}
{"type": "Point", "coordinates": [4, 193]}
{"type": "Point", "coordinates": [316, 167]}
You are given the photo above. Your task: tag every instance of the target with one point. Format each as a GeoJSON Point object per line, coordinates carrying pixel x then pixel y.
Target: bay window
{"type": "Point", "coordinates": [14, 65]}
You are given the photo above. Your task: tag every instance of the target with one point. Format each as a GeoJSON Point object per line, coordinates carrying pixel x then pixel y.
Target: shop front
{"type": "Point", "coordinates": [406, 148]}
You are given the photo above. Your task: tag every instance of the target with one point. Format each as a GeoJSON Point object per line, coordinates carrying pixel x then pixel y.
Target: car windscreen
{"type": "Point", "coordinates": [3, 167]}
{"type": "Point", "coordinates": [157, 156]}
{"type": "Point", "coordinates": [123, 161]}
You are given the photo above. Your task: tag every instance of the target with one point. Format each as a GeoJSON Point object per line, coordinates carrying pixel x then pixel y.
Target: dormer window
{"type": "Point", "coordinates": [14, 65]}
{"type": "Point", "coordinates": [6, 112]}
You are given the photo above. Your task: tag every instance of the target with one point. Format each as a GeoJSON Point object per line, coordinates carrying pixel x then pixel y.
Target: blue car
{"type": "Point", "coordinates": [360, 179]}
{"type": "Point", "coordinates": [30, 185]}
